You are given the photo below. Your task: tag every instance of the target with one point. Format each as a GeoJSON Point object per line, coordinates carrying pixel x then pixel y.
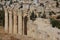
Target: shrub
{"type": "Point", "coordinates": [55, 23]}
{"type": "Point", "coordinates": [33, 16]}
{"type": "Point", "coordinates": [57, 4]}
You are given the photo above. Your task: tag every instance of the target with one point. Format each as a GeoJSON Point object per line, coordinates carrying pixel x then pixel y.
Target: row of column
{"type": "Point", "coordinates": [13, 21]}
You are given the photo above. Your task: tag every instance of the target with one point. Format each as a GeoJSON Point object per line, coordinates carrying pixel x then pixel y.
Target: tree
{"type": "Point", "coordinates": [57, 4]}
{"type": "Point", "coordinates": [55, 23]}
{"type": "Point", "coordinates": [33, 16]}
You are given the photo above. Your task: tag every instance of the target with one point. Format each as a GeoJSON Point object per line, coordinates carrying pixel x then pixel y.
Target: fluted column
{"type": "Point", "coordinates": [19, 22]}
{"type": "Point", "coordinates": [6, 20]}
{"type": "Point", "coordinates": [10, 22]}
{"type": "Point", "coordinates": [15, 22]}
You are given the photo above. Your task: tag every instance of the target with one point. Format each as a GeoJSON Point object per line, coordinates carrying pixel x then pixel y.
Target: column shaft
{"type": "Point", "coordinates": [15, 23]}
{"type": "Point", "coordinates": [10, 22]}
{"type": "Point", "coordinates": [19, 22]}
{"type": "Point", "coordinates": [6, 20]}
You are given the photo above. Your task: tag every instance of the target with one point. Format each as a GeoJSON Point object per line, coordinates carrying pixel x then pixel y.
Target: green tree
{"type": "Point", "coordinates": [55, 23]}
{"type": "Point", "coordinates": [33, 16]}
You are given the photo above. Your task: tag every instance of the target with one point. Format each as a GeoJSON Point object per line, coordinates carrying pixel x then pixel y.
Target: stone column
{"type": "Point", "coordinates": [6, 20]}
{"type": "Point", "coordinates": [19, 22]}
{"type": "Point", "coordinates": [10, 21]}
{"type": "Point", "coordinates": [15, 22]}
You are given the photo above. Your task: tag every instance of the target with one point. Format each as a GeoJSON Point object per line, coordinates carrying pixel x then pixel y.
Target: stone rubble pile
{"type": "Point", "coordinates": [43, 30]}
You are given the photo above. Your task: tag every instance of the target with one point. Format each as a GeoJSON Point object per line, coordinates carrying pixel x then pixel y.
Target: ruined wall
{"type": "Point", "coordinates": [32, 29]}
{"type": "Point", "coordinates": [42, 29]}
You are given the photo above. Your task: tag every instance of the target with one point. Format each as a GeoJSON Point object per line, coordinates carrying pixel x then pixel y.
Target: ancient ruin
{"type": "Point", "coordinates": [31, 18]}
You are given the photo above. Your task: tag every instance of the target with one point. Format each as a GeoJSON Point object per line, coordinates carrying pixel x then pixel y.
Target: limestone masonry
{"type": "Point", "coordinates": [18, 18]}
